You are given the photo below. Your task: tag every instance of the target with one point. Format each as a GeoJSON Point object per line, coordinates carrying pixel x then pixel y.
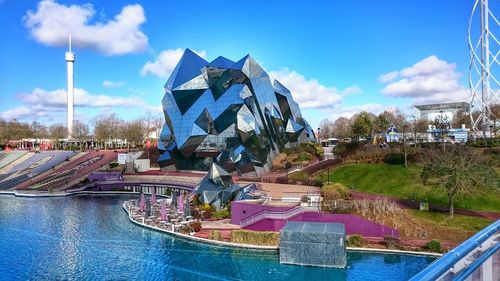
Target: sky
{"type": "Point", "coordinates": [337, 57]}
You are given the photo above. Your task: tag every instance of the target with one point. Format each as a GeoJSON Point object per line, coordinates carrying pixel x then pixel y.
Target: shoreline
{"type": "Point", "coordinates": [38, 194]}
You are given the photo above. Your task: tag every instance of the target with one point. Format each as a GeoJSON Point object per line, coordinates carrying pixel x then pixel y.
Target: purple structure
{"type": "Point", "coordinates": [163, 211]}
{"type": "Point", "coordinates": [153, 196]}
{"type": "Point", "coordinates": [142, 203]}
{"type": "Point", "coordinates": [180, 203]}
{"type": "Point", "coordinates": [105, 176]}
{"type": "Point", "coordinates": [353, 224]}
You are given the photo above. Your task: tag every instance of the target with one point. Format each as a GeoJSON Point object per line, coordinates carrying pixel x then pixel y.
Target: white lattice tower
{"type": "Point", "coordinates": [484, 68]}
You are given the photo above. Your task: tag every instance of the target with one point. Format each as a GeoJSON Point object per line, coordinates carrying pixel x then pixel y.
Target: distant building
{"type": "Point", "coordinates": [429, 112]}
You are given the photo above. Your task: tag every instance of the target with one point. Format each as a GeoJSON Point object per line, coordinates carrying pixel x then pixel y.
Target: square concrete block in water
{"type": "Point", "coordinates": [314, 244]}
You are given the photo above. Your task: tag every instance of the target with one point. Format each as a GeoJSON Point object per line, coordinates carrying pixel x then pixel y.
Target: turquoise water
{"type": "Point", "coordinates": [90, 238]}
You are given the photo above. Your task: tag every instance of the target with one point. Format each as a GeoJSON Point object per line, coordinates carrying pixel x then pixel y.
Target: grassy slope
{"type": "Point", "coordinates": [396, 181]}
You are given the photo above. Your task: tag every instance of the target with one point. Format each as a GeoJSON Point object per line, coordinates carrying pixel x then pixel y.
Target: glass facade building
{"type": "Point", "coordinates": [227, 112]}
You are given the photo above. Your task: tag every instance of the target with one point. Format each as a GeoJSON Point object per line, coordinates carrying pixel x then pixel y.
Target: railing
{"type": "Point", "coordinates": [476, 253]}
{"type": "Point", "coordinates": [275, 215]}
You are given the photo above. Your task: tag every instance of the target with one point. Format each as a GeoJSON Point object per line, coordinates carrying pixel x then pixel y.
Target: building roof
{"type": "Point", "coordinates": [449, 105]}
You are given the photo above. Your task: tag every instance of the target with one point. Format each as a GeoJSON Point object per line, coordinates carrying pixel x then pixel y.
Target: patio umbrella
{"type": "Point", "coordinates": [153, 196]}
{"type": "Point", "coordinates": [180, 204]}
{"type": "Point", "coordinates": [163, 211]}
{"type": "Point", "coordinates": [141, 203]}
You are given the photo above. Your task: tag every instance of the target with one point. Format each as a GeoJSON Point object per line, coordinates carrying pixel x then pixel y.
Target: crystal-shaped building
{"type": "Point", "coordinates": [229, 113]}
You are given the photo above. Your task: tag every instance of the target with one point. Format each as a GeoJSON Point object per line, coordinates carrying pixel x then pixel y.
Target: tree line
{"type": "Point", "coordinates": [366, 124]}
{"type": "Point", "coordinates": [106, 130]}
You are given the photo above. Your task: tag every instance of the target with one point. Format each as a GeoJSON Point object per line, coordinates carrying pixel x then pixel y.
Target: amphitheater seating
{"type": "Point", "coordinates": [33, 166]}
{"type": "Point", "coordinates": [74, 170]}
{"type": "Point", "coordinates": [8, 157]}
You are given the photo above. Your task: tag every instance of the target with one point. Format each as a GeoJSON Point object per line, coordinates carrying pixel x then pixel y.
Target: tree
{"type": "Point", "coordinates": [326, 129]}
{"type": "Point", "coordinates": [38, 131]}
{"type": "Point", "coordinates": [419, 126]}
{"type": "Point", "coordinates": [494, 113]}
{"type": "Point", "coordinates": [342, 127]}
{"type": "Point", "coordinates": [381, 123]}
{"type": "Point", "coordinates": [442, 124]}
{"type": "Point", "coordinates": [58, 132]}
{"type": "Point", "coordinates": [458, 171]}
{"type": "Point", "coordinates": [133, 132]}
{"type": "Point", "coordinates": [107, 128]}
{"type": "Point", "coordinates": [362, 125]}
{"type": "Point", "coordinates": [80, 132]}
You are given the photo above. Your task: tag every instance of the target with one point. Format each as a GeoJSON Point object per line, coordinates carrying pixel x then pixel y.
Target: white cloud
{"type": "Point", "coordinates": [349, 111]}
{"type": "Point", "coordinates": [165, 63]}
{"type": "Point", "coordinates": [430, 80]}
{"type": "Point", "coordinates": [309, 93]}
{"type": "Point", "coordinates": [388, 77]}
{"type": "Point", "coordinates": [354, 89]}
{"type": "Point", "coordinates": [112, 84]}
{"type": "Point", "coordinates": [51, 23]}
{"type": "Point", "coordinates": [32, 112]}
{"type": "Point", "coordinates": [82, 98]}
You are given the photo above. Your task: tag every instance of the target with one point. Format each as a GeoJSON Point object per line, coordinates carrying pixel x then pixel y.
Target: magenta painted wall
{"type": "Point", "coordinates": [241, 210]}
{"type": "Point", "coordinates": [353, 224]}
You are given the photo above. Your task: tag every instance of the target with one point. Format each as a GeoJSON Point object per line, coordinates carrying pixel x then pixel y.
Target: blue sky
{"type": "Point", "coordinates": [337, 57]}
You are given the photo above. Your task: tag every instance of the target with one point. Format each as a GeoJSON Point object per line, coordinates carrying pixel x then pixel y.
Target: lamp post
{"type": "Point", "coordinates": [404, 144]}
{"type": "Point", "coordinates": [319, 139]}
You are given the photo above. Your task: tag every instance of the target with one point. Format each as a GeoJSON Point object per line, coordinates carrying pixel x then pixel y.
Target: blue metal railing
{"type": "Point", "coordinates": [446, 262]}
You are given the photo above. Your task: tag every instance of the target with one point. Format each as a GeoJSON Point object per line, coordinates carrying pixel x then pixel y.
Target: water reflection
{"type": "Point", "coordinates": [90, 238]}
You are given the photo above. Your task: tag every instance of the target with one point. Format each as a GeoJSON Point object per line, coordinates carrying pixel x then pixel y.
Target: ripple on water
{"type": "Point", "coordinates": [90, 238]}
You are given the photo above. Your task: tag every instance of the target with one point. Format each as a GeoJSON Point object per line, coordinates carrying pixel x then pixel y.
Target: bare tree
{"type": "Point", "coordinates": [326, 129]}
{"type": "Point", "coordinates": [58, 132]}
{"type": "Point", "coordinates": [342, 127]}
{"type": "Point", "coordinates": [107, 128]}
{"type": "Point", "coordinates": [14, 130]}
{"type": "Point", "coordinates": [133, 132]}
{"type": "Point", "coordinates": [38, 131]}
{"type": "Point", "coordinates": [159, 122]}
{"type": "Point", "coordinates": [458, 171]}
{"type": "Point", "coordinates": [80, 132]}
{"type": "Point", "coordinates": [442, 124]}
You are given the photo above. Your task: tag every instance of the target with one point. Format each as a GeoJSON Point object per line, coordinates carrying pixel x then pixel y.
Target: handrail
{"type": "Point", "coordinates": [265, 214]}
{"type": "Point", "coordinates": [446, 262]}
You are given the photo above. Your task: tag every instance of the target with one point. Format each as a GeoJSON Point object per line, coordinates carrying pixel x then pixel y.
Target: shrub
{"type": "Point", "coordinates": [196, 226]}
{"type": "Point", "coordinates": [394, 159]}
{"type": "Point", "coordinates": [261, 238]}
{"type": "Point", "coordinates": [355, 240]}
{"type": "Point", "coordinates": [215, 235]}
{"type": "Point", "coordinates": [335, 191]}
{"type": "Point", "coordinates": [221, 214]}
{"type": "Point", "coordinates": [337, 206]}
{"type": "Point", "coordinates": [391, 242]}
{"type": "Point", "coordinates": [208, 210]}
{"type": "Point", "coordinates": [313, 182]}
{"type": "Point", "coordinates": [434, 246]}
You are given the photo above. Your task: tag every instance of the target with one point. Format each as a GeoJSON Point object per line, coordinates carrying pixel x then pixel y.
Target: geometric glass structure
{"type": "Point", "coordinates": [228, 113]}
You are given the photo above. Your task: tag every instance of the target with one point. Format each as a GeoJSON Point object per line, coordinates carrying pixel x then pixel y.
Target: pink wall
{"type": "Point", "coordinates": [353, 224]}
{"type": "Point", "coordinates": [241, 210]}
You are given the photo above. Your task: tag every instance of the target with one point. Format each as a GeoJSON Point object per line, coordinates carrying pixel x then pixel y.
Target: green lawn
{"type": "Point", "coordinates": [396, 181]}
{"type": "Point", "coordinates": [466, 223]}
